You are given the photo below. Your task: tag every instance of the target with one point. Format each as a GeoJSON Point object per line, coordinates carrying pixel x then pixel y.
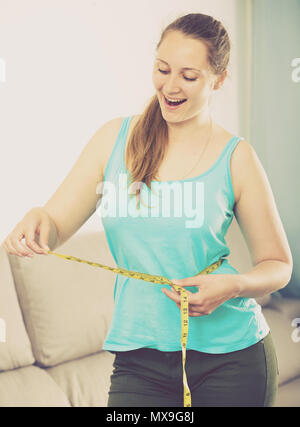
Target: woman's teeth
{"type": "Point", "coordinates": [174, 103]}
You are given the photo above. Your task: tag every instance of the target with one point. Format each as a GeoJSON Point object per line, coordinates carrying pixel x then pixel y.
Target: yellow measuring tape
{"type": "Point", "coordinates": [161, 280]}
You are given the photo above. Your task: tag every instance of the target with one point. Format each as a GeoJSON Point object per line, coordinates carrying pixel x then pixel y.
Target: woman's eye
{"type": "Point", "coordinates": [166, 72]}
{"type": "Point", "coordinates": [190, 80]}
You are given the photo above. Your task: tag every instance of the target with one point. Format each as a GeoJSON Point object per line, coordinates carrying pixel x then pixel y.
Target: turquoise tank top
{"type": "Point", "coordinates": [179, 230]}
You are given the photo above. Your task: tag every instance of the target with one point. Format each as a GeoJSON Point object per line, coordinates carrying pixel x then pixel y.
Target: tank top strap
{"type": "Point", "coordinates": [122, 135]}
{"type": "Point", "coordinates": [125, 126]}
{"type": "Point", "coordinates": [116, 161]}
{"type": "Point", "coordinates": [226, 165]}
{"type": "Point", "coordinates": [223, 161]}
{"type": "Point", "coordinates": [231, 146]}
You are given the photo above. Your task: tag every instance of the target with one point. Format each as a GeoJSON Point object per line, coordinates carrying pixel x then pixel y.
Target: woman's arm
{"type": "Point", "coordinates": [261, 226]}
{"type": "Point", "coordinates": [263, 279]}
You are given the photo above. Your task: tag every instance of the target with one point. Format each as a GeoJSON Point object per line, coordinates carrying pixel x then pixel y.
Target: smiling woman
{"type": "Point", "coordinates": [186, 72]}
{"type": "Point", "coordinates": [230, 358]}
{"type": "Point", "coordinates": [193, 83]}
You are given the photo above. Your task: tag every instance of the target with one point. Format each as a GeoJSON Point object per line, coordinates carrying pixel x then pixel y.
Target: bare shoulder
{"type": "Point", "coordinates": [108, 130]}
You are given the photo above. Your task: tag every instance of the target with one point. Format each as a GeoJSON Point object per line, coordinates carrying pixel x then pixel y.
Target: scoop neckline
{"type": "Point", "coordinates": [181, 180]}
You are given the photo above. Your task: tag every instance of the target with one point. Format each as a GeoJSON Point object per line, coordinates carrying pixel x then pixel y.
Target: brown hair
{"type": "Point", "coordinates": [149, 138]}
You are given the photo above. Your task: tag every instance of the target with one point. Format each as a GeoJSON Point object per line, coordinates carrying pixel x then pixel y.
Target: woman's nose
{"type": "Point", "coordinates": [172, 84]}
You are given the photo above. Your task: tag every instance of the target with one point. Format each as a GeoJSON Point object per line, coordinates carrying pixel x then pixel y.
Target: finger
{"type": "Point", "coordinates": [192, 312]}
{"type": "Point", "coordinates": [44, 236]}
{"type": "Point", "coordinates": [175, 296]}
{"type": "Point", "coordinates": [194, 298]}
{"type": "Point", "coordinates": [29, 236]}
{"type": "Point", "coordinates": [9, 248]}
{"type": "Point", "coordinates": [189, 281]}
{"type": "Point", "coordinates": [197, 314]}
{"type": "Point", "coordinates": [172, 295]}
{"type": "Point", "coordinates": [191, 295]}
{"type": "Point", "coordinates": [17, 247]}
{"type": "Point", "coordinates": [175, 290]}
{"type": "Point", "coordinates": [200, 310]}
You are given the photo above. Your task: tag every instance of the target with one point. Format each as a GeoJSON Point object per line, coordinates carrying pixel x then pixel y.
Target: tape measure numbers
{"type": "Point", "coordinates": [164, 281]}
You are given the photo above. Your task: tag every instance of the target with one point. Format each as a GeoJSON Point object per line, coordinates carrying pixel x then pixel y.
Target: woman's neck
{"type": "Point", "coordinates": [189, 131]}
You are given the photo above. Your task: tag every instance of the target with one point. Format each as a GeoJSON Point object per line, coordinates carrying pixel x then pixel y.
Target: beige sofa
{"type": "Point", "coordinates": [54, 316]}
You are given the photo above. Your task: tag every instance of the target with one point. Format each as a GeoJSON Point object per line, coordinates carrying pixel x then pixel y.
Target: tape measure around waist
{"type": "Point", "coordinates": [164, 281]}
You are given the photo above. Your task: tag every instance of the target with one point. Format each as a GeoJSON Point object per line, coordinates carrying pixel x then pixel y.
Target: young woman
{"type": "Point", "coordinates": [175, 146]}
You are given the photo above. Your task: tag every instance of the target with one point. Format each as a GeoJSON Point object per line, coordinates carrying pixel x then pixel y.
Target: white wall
{"type": "Point", "coordinates": [71, 65]}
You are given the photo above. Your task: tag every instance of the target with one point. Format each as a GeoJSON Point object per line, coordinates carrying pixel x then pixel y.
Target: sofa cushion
{"type": "Point", "coordinates": [15, 347]}
{"type": "Point", "coordinates": [85, 381]}
{"type": "Point", "coordinates": [30, 387]}
{"type": "Point", "coordinates": [67, 305]}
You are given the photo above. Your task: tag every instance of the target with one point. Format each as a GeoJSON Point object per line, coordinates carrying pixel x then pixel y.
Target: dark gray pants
{"type": "Point", "coordinates": [151, 378]}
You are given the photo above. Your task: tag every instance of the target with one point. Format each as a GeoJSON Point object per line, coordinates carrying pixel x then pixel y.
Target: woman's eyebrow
{"type": "Point", "coordinates": [184, 68]}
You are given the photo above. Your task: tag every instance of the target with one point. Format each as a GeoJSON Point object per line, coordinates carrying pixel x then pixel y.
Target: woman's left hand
{"type": "Point", "coordinates": [213, 290]}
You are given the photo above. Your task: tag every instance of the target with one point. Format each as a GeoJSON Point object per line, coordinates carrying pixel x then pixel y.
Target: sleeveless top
{"type": "Point", "coordinates": [179, 230]}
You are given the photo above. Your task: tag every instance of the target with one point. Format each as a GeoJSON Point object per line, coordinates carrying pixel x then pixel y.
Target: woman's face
{"type": "Point", "coordinates": [181, 71]}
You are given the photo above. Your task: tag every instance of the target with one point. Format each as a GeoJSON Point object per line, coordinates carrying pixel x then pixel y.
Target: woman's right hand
{"type": "Point", "coordinates": [36, 221]}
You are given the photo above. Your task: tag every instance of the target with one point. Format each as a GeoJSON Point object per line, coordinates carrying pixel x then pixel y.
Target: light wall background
{"type": "Point", "coordinates": [72, 65]}
{"type": "Point", "coordinates": [275, 111]}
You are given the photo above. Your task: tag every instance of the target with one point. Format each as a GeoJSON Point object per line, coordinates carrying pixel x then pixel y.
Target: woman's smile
{"type": "Point", "coordinates": [172, 105]}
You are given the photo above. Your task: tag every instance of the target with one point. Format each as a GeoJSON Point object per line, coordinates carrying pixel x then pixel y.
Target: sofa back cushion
{"type": "Point", "coordinates": [15, 347]}
{"type": "Point", "coordinates": [67, 305]}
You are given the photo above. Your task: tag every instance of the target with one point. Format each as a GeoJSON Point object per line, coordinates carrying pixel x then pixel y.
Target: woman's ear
{"type": "Point", "coordinates": [220, 80]}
